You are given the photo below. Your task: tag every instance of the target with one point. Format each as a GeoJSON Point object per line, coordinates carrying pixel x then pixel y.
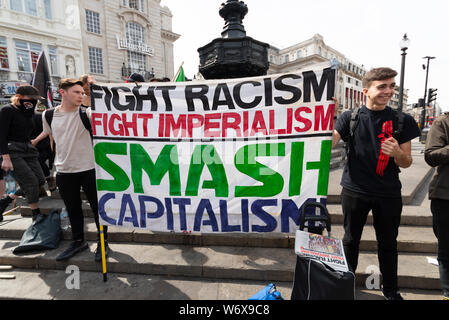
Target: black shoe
{"type": "Point", "coordinates": [392, 295]}
{"type": "Point", "coordinates": [4, 203]}
{"type": "Point", "coordinates": [74, 248]}
{"type": "Point", "coordinates": [98, 251]}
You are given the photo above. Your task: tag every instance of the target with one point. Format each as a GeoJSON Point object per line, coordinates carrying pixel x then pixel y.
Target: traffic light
{"type": "Point", "coordinates": [421, 103]}
{"type": "Point", "coordinates": [432, 95]}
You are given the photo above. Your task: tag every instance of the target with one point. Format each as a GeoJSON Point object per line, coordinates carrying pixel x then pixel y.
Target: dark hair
{"type": "Point", "coordinates": [65, 84]}
{"type": "Point", "coordinates": [136, 77]}
{"type": "Point", "coordinates": [378, 74]}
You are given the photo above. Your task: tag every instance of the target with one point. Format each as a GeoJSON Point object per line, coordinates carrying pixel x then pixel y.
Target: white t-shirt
{"type": "Point", "coordinates": [74, 151]}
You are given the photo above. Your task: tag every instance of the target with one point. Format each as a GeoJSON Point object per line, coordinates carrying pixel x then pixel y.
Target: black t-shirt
{"type": "Point", "coordinates": [368, 170]}
{"type": "Point", "coordinates": [14, 126]}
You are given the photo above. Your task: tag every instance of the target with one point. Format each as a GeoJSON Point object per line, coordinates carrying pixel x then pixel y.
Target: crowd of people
{"type": "Point", "coordinates": [379, 145]}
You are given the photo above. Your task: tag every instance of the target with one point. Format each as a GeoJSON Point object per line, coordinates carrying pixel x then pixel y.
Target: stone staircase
{"type": "Point", "coordinates": [249, 261]}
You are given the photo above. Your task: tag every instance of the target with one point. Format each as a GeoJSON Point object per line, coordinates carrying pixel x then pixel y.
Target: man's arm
{"type": "Point", "coordinates": [402, 154]}
{"type": "Point", "coordinates": [437, 146]}
{"type": "Point", "coordinates": [335, 138]}
{"type": "Point", "coordinates": [39, 138]}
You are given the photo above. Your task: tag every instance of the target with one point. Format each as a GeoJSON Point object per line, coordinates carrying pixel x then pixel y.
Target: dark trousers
{"type": "Point", "coordinates": [440, 213]}
{"type": "Point", "coordinates": [386, 217]}
{"type": "Point", "coordinates": [69, 185]}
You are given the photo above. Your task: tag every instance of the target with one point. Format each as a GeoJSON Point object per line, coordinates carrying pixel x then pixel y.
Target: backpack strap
{"type": "Point", "coordinates": [400, 118]}
{"type": "Point", "coordinates": [85, 120]}
{"type": "Point", "coordinates": [354, 122]}
{"type": "Point", "coordinates": [355, 117]}
{"type": "Point", "coordinates": [49, 116]}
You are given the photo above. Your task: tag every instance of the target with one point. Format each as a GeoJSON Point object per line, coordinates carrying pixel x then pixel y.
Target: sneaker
{"type": "Point", "coordinates": [392, 295]}
{"type": "Point", "coordinates": [98, 251]}
{"type": "Point", "coordinates": [4, 203]}
{"type": "Point", "coordinates": [74, 248]}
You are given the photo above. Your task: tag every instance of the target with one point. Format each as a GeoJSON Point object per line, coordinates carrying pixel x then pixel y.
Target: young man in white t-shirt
{"type": "Point", "coordinates": [74, 161]}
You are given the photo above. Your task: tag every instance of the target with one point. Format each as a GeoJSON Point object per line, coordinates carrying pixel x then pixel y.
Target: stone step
{"type": "Point", "coordinates": [412, 180]}
{"type": "Point", "coordinates": [214, 262]}
{"type": "Point", "coordinates": [410, 239]}
{"type": "Point", "coordinates": [411, 215]}
{"type": "Point", "coordinates": [51, 285]}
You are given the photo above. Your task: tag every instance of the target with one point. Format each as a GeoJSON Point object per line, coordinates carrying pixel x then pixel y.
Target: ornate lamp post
{"type": "Point", "coordinates": [404, 44]}
{"type": "Point", "coordinates": [234, 55]}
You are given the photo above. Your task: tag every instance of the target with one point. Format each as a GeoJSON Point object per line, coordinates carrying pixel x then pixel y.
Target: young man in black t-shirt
{"type": "Point", "coordinates": [378, 147]}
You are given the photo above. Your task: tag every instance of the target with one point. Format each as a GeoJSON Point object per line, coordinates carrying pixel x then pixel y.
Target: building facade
{"type": "Point", "coordinates": [28, 27]}
{"type": "Point", "coordinates": [110, 39]}
{"type": "Point", "coordinates": [122, 37]}
{"type": "Point", "coordinates": [349, 88]}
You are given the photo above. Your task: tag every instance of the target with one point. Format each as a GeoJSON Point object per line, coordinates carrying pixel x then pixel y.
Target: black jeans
{"type": "Point", "coordinates": [70, 185]}
{"type": "Point", "coordinates": [386, 217]}
{"type": "Point", "coordinates": [440, 213]}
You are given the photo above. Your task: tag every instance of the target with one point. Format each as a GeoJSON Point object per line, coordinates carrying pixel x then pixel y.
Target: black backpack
{"type": "Point", "coordinates": [355, 119]}
{"type": "Point", "coordinates": [83, 115]}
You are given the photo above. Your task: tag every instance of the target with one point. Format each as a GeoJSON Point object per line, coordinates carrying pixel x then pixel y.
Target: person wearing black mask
{"type": "Point", "coordinates": [18, 154]}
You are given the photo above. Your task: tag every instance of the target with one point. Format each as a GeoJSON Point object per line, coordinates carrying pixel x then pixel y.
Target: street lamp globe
{"type": "Point", "coordinates": [405, 43]}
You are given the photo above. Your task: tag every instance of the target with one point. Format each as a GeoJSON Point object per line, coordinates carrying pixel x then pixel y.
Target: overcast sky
{"type": "Point", "coordinates": [366, 32]}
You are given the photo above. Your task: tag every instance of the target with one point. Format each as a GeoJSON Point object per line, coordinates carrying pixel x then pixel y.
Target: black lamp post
{"type": "Point", "coordinates": [423, 112]}
{"type": "Point", "coordinates": [404, 44]}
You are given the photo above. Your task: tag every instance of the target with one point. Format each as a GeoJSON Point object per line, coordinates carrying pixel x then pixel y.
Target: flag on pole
{"type": "Point", "coordinates": [41, 79]}
{"type": "Point", "coordinates": [180, 76]}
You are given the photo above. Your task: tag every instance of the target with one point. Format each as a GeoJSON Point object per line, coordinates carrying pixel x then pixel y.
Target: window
{"type": "Point", "coordinates": [93, 21]}
{"type": "Point", "coordinates": [27, 55]}
{"type": "Point", "coordinates": [136, 4]}
{"type": "Point", "coordinates": [96, 60]}
{"type": "Point", "coordinates": [135, 33]}
{"type": "Point", "coordinates": [299, 54]}
{"type": "Point", "coordinates": [4, 64]}
{"type": "Point", "coordinates": [47, 6]}
{"type": "Point", "coordinates": [286, 58]}
{"type": "Point", "coordinates": [137, 62]}
{"type": "Point", "coordinates": [26, 6]}
{"type": "Point", "coordinates": [53, 53]}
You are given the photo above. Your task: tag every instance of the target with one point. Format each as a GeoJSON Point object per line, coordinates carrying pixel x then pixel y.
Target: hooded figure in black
{"type": "Point", "coordinates": [18, 154]}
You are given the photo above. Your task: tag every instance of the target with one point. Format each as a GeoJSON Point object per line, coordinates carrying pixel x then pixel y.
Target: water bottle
{"type": "Point", "coordinates": [65, 222]}
{"type": "Point", "coordinates": [10, 183]}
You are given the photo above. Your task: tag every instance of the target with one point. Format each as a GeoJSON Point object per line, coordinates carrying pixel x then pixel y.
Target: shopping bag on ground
{"type": "Point", "coordinates": [268, 293]}
{"type": "Point", "coordinates": [43, 234]}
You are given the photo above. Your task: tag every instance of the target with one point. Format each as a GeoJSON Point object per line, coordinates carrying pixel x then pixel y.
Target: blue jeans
{"type": "Point", "coordinates": [440, 213]}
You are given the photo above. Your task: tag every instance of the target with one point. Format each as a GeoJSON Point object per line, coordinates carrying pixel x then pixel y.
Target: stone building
{"type": "Point", "coordinates": [110, 39]}
{"type": "Point", "coordinates": [122, 37]}
{"type": "Point", "coordinates": [349, 78]}
{"type": "Point", "coordinates": [28, 27]}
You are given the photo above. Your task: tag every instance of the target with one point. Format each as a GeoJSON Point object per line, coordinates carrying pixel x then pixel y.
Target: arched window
{"type": "Point", "coordinates": [135, 33]}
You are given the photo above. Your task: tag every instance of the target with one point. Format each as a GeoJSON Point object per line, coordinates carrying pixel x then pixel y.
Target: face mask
{"type": "Point", "coordinates": [27, 106]}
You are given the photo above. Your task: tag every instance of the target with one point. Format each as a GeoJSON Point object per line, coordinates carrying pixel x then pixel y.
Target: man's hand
{"type": "Point", "coordinates": [402, 154]}
{"type": "Point", "coordinates": [7, 164]}
{"type": "Point", "coordinates": [391, 148]}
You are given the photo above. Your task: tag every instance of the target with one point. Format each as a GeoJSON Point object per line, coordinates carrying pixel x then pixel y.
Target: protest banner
{"type": "Point", "coordinates": [237, 155]}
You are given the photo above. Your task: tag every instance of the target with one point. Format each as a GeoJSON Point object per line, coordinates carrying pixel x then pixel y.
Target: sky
{"type": "Point", "coordinates": [366, 32]}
